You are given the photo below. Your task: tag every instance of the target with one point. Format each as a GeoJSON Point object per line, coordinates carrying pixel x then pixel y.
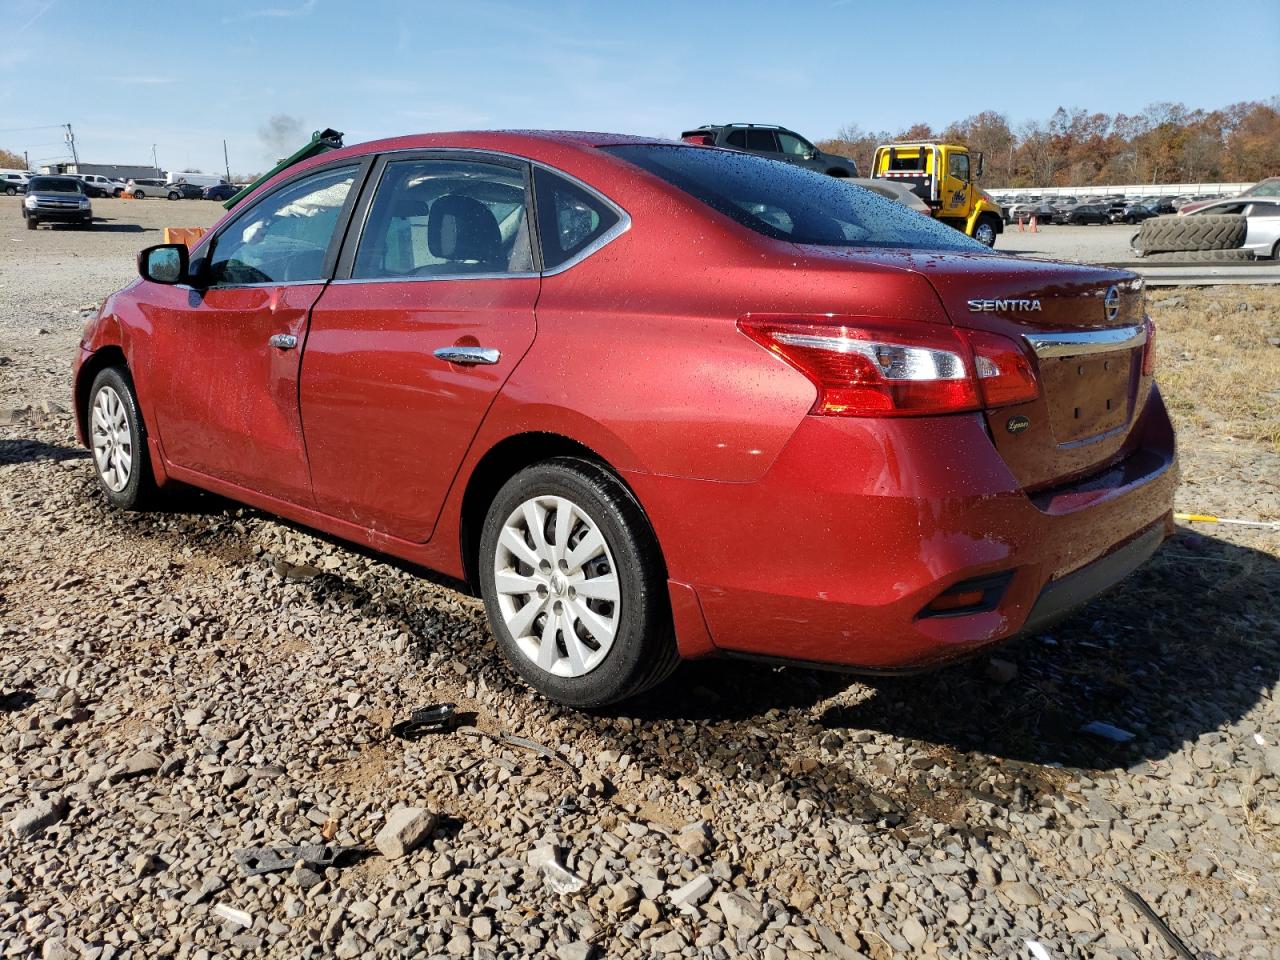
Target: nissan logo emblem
{"type": "Point", "coordinates": [1111, 305]}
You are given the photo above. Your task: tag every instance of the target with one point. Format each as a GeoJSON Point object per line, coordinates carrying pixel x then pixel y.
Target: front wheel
{"type": "Point", "coordinates": [139, 195]}
{"type": "Point", "coordinates": [173, 196]}
{"type": "Point", "coordinates": [118, 441]}
{"type": "Point", "coordinates": [11, 191]}
{"type": "Point", "coordinates": [574, 584]}
{"type": "Point", "coordinates": [32, 223]}
{"type": "Point", "coordinates": [985, 232]}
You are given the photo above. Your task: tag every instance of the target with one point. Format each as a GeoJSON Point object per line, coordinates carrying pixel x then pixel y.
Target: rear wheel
{"type": "Point", "coordinates": [118, 441]}
{"type": "Point", "coordinates": [11, 191]}
{"type": "Point", "coordinates": [139, 195]}
{"type": "Point", "coordinates": [574, 585]}
{"type": "Point", "coordinates": [173, 195]}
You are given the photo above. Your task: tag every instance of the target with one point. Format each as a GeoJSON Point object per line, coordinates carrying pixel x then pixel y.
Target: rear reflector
{"type": "Point", "coordinates": [868, 368]}
{"type": "Point", "coordinates": [1149, 350]}
{"type": "Point", "coordinates": [969, 596]}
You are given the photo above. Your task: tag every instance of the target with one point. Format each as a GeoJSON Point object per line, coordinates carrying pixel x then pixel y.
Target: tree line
{"type": "Point", "coordinates": [1165, 143]}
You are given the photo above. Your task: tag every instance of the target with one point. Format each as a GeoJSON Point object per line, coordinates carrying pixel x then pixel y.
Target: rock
{"type": "Point", "coordinates": [1201, 866]}
{"type": "Point", "coordinates": [649, 910]}
{"type": "Point", "coordinates": [145, 864]}
{"type": "Point", "coordinates": [694, 839]}
{"type": "Point", "coordinates": [914, 933]}
{"type": "Point", "coordinates": [142, 763]}
{"type": "Point", "coordinates": [670, 943]}
{"type": "Point", "coordinates": [233, 778]}
{"type": "Point", "coordinates": [240, 918]}
{"type": "Point", "coordinates": [622, 898]}
{"type": "Point", "coordinates": [741, 912]}
{"type": "Point", "coordinates": [404, 831]}
{"type": "Point", "coordinates": [1001, 671]}
{"type": "Point", "coordinates": [38, 817]}
{"type": "Point", "coordinates": [305, 877]}
{"type": "Point", "coordinates": [577, 950]}
{"type": "Point", "coordinates": [693, 892]}
{"type": "Point", "coordinates": [1021, 893]}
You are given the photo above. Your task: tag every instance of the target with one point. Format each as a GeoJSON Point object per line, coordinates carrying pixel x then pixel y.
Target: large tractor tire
{"type": "Point", "coordinates": [1202, 256]}
{"type": "Point", "coordinates": [1191, 233]}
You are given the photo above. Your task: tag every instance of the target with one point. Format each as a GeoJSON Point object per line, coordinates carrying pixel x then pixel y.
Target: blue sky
{"type": "Point", "coordinates": [181, 78]}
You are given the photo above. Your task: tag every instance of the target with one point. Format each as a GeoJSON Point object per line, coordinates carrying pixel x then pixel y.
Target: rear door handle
{"type": "Point", "coordinates": [468, 355]}
{"type": "Point", "coordinates": [283, 341]}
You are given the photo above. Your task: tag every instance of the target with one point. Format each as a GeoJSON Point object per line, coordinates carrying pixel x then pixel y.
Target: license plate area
{"type": "Point", "coordinates": [1088, 395]}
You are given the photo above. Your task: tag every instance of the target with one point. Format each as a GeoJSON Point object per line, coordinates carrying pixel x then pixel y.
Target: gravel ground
{"type": "Point", "coordinates": [178, 685]}
{"type": "Point", "coordinates": [1090, 244]}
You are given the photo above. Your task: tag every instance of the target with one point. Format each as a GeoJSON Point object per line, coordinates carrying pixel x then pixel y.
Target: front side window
{"type": "Point", "coordinates": [284, 237]}
{"type": "Point", "coordinates": [569, 218]}
{"type": "Point", "coordinates": [764, 141]}
{"type": "Point", "coordinates": [435, 218]}
{"type": "Point", "coordinates": [788, 202]}
{"type": "Point", "coordinates": [793, 145]}
{"type": "Point", "coordinates": [959, 166]}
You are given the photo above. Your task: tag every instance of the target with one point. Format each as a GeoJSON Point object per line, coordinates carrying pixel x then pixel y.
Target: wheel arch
{"type": "Point", "coordinates": [111, 355]}
{"type": "Point", "coordinates": [499, 464]}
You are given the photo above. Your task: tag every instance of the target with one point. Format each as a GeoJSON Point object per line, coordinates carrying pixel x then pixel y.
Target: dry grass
{"type": "Point", "coordinates": [1216, 365]}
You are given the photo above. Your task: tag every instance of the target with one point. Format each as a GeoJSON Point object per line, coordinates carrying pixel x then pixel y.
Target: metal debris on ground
{"type": "Point", "coordinates": [433, 718]}
{"type": "Point", "coordinates": [1234, 521]}
{"type": "Point", "coordinates": [559, 878]}
{"type": "Point", "coordinates": [1162, 928]}
{"type": "Point", "coordinates": [239, 917]}
{"type": "Point", "coordinates": [523, 743]}
{"type": "Point", "coordinates": [256, 860]}
{"type": "Point", "coordinates": [1107, 731]}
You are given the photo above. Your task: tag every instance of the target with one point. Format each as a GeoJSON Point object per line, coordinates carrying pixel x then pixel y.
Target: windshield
{"type": "Point", "coordinates": [53, 185]}
{"type": "Point", "coordinates": [785, 202]}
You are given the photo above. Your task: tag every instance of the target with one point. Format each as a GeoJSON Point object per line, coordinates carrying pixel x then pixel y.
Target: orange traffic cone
{"type": "Point", "coordinates": [1034, 228]}
{"type": "Point", "coordinates": [1022, 225]}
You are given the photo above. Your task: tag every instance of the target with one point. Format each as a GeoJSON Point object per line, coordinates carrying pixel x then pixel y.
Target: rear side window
{"type": "Point", "coordinates": [737, 138]}
{"type": "Point", "coordinates": [569, 218]}
{"type": "Point", "coordinates": [440, 218]}
{"type": "Point", "coordinates": [787, 202]}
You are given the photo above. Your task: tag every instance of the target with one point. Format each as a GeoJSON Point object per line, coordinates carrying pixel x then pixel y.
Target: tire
{"type": "Point", "coordinates": [1166, 234]}
{"type": "Point", "coordinates": [32, 223]}
{"type": "Point", "coordinates": [116, 435]}
{"type": "Point", "coordinates": [175, 196]}
{"type": "Point", "coordinates": [139, 195]}
{"type": "Point", "coordinates": [1202, 256]}
{"type": "Point", "coordinates": [117, 193]}
{"type": "Point", "coordinates": [11, 191]}
{"type": "Point", "coordinates": [985, 231]}
{"type": "Point", "coordinates": [591, 670]}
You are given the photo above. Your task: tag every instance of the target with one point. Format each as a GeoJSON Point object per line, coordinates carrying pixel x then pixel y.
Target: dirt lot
{"type": "Point", "coordinates": [178, 685]}
{"type": "Point", "coordinates": [1091, 244]}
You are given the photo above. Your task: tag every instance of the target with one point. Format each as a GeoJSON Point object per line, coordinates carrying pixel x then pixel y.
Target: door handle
{"type": "Point", "coordinates": [283, 341]}
{"type": "Point", "coordinates": [468, 356]}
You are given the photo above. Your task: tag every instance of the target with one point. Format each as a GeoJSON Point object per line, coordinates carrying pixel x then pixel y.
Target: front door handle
{"type": "Point", "coordinates": [468, 355]}
{"type": "Point", "coordinates": [283, 341]}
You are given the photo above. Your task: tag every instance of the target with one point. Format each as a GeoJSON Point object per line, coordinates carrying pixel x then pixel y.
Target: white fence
{"type": "Point", "coordinates": [1128, 189]}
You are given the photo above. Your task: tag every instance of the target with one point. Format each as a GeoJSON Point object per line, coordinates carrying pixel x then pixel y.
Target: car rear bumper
{"type": "Point", "coordinates": [836, 555]}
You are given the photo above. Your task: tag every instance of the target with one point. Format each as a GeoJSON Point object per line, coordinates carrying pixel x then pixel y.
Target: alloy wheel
{"type": "Point", "coordinates": [984, 233]}
{"type": "Point", "coordinates": [557, 586]}
{"type": "Point", "coordinates": [112, 439]}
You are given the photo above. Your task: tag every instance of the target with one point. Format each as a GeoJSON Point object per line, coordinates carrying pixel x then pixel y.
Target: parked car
{"type": "Point", "coordinates": [777, 143]}
{"type": "Point", "coordinates": [92, 189]}
{"type": "Point", "coordinates": [1132, 213]}
{"type": "Point", "coordinates": [58, 199]}
{"type": "Point", "coordinates": [1162, 205]}
{"type": "Point", "coordinates": [881, 462]}
{"type": "Point", "coordinates": [145, 187]}
{"type": "Point", "coordinates": [1270, 187]}
{"type": "Point", "coordinates": [1084, 213]}
{"type": "Point", "coordinates": [105, 186]}
{"type": "Point", "coordinates": [184, 191]}
{"type": "Point", "coordinates": [1262, 222]}
{"type": "Point", "coordinates": [220, 191]}
{"type": "Point", "coordinates": [13, 184]}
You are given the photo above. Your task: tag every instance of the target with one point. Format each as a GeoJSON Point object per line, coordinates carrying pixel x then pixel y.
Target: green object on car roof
{"type": "Point", "coordinates": [321, 142]}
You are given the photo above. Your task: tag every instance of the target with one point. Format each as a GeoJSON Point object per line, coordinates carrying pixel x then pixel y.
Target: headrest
{"type": "Point", "coordinates": [460, 228]}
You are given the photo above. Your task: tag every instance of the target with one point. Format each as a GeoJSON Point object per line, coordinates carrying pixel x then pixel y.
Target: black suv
{"type": "Point", "coordinates": [778, 143]}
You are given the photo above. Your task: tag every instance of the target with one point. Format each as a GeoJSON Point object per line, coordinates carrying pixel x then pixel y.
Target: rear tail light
{"type": "Point", "coordinates": [871, 369]}
{"type": "Point", "coordinates": [1149, 350]}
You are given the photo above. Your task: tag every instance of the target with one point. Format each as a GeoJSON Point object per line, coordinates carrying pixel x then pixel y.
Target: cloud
{"type": "Point", "coordinates": [36, 16]}
{"type": "Point", "coordinates": [276, 12]}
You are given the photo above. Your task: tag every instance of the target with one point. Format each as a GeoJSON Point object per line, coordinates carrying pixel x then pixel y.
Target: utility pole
{"type": "Point", "coordinates": [225, 161]}
{"type": "Point", "coordinates": [154, 162]}
{"type": "Point", "coordinates": [71, 141]}
{"type": "Point", "coordinates": [26, 161]}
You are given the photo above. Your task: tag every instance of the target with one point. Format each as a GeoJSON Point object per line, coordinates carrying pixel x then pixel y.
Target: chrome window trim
{"type": "Point", "coordinates": [251, 286]}
{"type": "Point", "coordinates": [524, 275]}
{"type": "Point", "coordinates": [619, 228]}
{"type": "Point", "coordinates": [1081, 343]}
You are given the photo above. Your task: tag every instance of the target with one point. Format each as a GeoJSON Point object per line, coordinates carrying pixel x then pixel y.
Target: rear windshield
{"type": "Point", "coordinates": [53, 185]}
{"type": "Point", "coordinates": [790, 203]}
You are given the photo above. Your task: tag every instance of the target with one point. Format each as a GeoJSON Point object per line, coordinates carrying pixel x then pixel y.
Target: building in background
{"type": "Point", "coordinates": [115, 171]}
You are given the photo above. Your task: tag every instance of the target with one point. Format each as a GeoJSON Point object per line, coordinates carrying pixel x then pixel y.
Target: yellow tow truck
{"type": "Point", "coordinates": [945, 176]}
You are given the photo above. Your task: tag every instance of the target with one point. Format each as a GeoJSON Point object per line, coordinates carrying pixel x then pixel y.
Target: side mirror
{"type": "Point", "coordinates": [977, 166]}
{"type": "Point", "coordinates": [165, 263]}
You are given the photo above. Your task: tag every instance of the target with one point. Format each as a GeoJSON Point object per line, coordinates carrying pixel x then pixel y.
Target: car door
{"type": "Point", "coordinates": [223, 378]}
{"type": "Point", "coordinates": [432, 309]}
{"type": "Point", "coordinates": [797, 150]}
{"type": "Point", "coordinates": [953, 191]}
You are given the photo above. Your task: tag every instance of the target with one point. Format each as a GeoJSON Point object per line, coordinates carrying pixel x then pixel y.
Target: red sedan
{"type": "Point", "coordinates": [651, 400]}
